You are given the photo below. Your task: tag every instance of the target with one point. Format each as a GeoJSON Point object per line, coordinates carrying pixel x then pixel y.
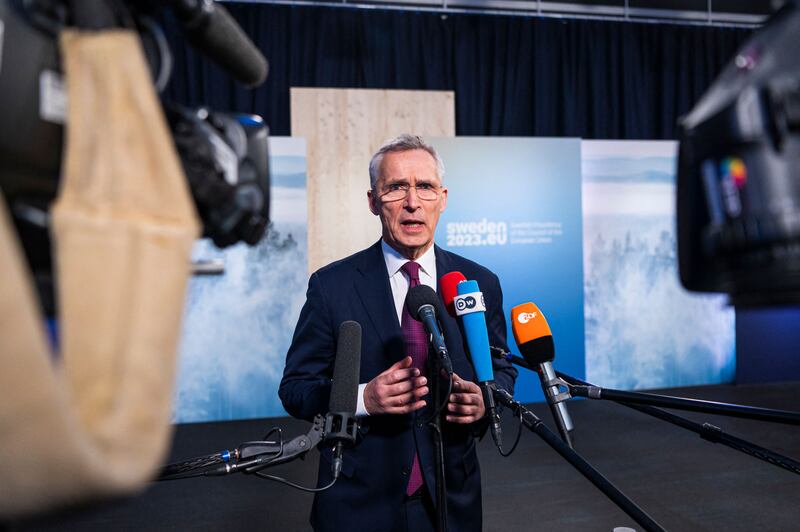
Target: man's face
{"type": "Point", "coordinates": [408, 223]}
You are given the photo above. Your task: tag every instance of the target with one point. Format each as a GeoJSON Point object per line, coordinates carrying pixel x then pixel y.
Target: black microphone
{"type": "Point", "coordinates": [341, 424]}
{"type": "Point", "coordinates": [423, 305]}
{"type": "Point", "coordinates": [535, 343]}
{"type": "Point", "coordinates": [211, 29]}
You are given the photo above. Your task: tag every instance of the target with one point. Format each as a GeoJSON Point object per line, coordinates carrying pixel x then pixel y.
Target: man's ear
{"type": "Point", "coordinates": [372, 199]}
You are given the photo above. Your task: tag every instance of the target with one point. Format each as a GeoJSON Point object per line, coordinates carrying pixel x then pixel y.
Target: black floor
{"type": "Point", "coordinates": [682, 481]}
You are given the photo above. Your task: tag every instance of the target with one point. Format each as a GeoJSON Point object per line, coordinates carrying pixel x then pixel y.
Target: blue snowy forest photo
{"type": "Point", "coordinates": [237, 326]}
{"type": "Point", "coordinates": [643, 329]}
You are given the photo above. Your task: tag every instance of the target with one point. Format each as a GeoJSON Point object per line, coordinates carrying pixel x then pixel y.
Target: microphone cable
{"type": "Point", "coordinates": [440, 403]}
{"type": "Point", "coordinates": [172, 471]}
{"type": "Point", "coordinates": [292, 484]}
{"type": "Point", "coordinates": [516, 440]}
{"type": "Point", "coordinates": [199, 466]}
{"type": "Point", "coordinates": [204, 465]}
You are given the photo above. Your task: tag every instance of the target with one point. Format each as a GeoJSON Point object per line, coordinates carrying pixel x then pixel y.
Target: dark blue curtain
{"type": "Point", "coordinates": [511, 75]}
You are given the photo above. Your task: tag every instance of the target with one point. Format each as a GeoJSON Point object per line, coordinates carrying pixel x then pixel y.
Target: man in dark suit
{"type": "Point", "coordinates": [388, 476]}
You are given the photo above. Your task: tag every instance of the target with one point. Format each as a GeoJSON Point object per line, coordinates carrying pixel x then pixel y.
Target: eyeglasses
{"type": "Point", "coordinates": [398, 191]}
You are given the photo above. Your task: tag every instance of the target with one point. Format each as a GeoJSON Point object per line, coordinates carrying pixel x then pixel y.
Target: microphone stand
{"type": "Point", "coordinates": [548, 379]}
{"type": "Point", "coordinates": [248, 457]}
{"type": "Point", "coordinates": [435, 369]}
{"type": "Point", "coordinates": [551, 389]}
{"type": "Point", "coordinates": [693, 405]}
{"type": "Point", "coordinates": [707, 431]}
{"type": "Point", "coordinates": [536, 425]}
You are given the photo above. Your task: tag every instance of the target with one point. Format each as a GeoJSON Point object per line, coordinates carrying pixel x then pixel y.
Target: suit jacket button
{"type": "Point", "coordinates": [419, 423]}
{"type": "Point", "coordinates": [406, 471]}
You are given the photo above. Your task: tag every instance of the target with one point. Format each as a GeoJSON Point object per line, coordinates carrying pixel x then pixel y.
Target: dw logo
{"type": "Point", "coordinates": [465, 303]}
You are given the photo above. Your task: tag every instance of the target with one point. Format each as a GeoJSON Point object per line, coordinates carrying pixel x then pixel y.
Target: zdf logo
{"type": "Point", "coordinates": [525, 317]}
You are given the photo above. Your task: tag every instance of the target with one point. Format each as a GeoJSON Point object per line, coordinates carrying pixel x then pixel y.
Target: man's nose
{"type": "Point", "coordinates": [412, 201]}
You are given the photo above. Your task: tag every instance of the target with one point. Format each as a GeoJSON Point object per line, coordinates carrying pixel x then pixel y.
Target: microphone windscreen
{"type": "Point", "coordinates": [346, 369]}
{"type": "Point", "coordinates": [222, 40]}
{"type": "Point", "coordinates": [532, 334]}
{"type": "Point", "coordinates": [474, 324]}
{"type": "Point", "coordinates": [419, 296]}
{"type": "Point", "coordinates": [448, 287]}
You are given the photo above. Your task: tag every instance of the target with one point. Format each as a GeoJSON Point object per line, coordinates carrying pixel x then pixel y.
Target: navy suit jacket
{"type": "Point", "coordinates": [369, 493]}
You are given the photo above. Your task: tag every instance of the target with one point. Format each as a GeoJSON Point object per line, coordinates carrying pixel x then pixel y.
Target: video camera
{"type": "Point", "coordinates": [224, 155]}
{"type": "Point", "coordinates": [738, 193]}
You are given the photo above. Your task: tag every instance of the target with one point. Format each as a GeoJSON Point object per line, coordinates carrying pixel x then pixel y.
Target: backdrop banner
{"type": "Point", "coordinates": [238, 325]}
{"type": "Point", "coordinates": [514, 206]}
{"type": "Point", "coordinates": [584, 229]}
{"type": "Point", "coordinates": [643, 329]}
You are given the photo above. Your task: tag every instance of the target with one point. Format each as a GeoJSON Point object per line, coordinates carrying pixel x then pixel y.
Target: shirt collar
{"type": "Point", "coordinates": [394, 260]}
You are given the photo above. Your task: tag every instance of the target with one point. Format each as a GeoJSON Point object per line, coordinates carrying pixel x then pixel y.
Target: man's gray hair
{"type": "Point", "coordinates": [404, 142]}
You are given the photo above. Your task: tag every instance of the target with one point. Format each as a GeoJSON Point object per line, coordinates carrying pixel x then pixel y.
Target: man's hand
{"type": "Point", "coordinates": [398, 390]}
{"type": "Point", "coordinates": [466, 402]}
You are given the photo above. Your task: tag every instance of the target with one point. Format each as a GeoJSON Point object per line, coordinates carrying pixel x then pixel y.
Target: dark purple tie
{"type": "Point", "coordinates": [416, 340]}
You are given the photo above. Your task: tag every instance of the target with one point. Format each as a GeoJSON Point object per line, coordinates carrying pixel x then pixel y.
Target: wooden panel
{"type": "Point", "coordinates": [343, 128]}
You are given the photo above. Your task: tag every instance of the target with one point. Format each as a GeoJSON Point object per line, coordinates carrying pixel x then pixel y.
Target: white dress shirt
{"type": "Point", "coordinates": [400, 285]}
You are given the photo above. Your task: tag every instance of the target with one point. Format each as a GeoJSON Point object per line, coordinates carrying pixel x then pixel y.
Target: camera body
{"type": "Point", "coordinates": [738, 190]}
{"type": "Point", "coordinates": [224, 155]}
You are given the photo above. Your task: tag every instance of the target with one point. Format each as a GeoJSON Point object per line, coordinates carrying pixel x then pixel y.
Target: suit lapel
{"type": "Point", "coordinates": [443, 264]}
{"type": "Point", "coordinates": [453, 336]}
{"type": "Point", "coordinates": [376, 294]}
